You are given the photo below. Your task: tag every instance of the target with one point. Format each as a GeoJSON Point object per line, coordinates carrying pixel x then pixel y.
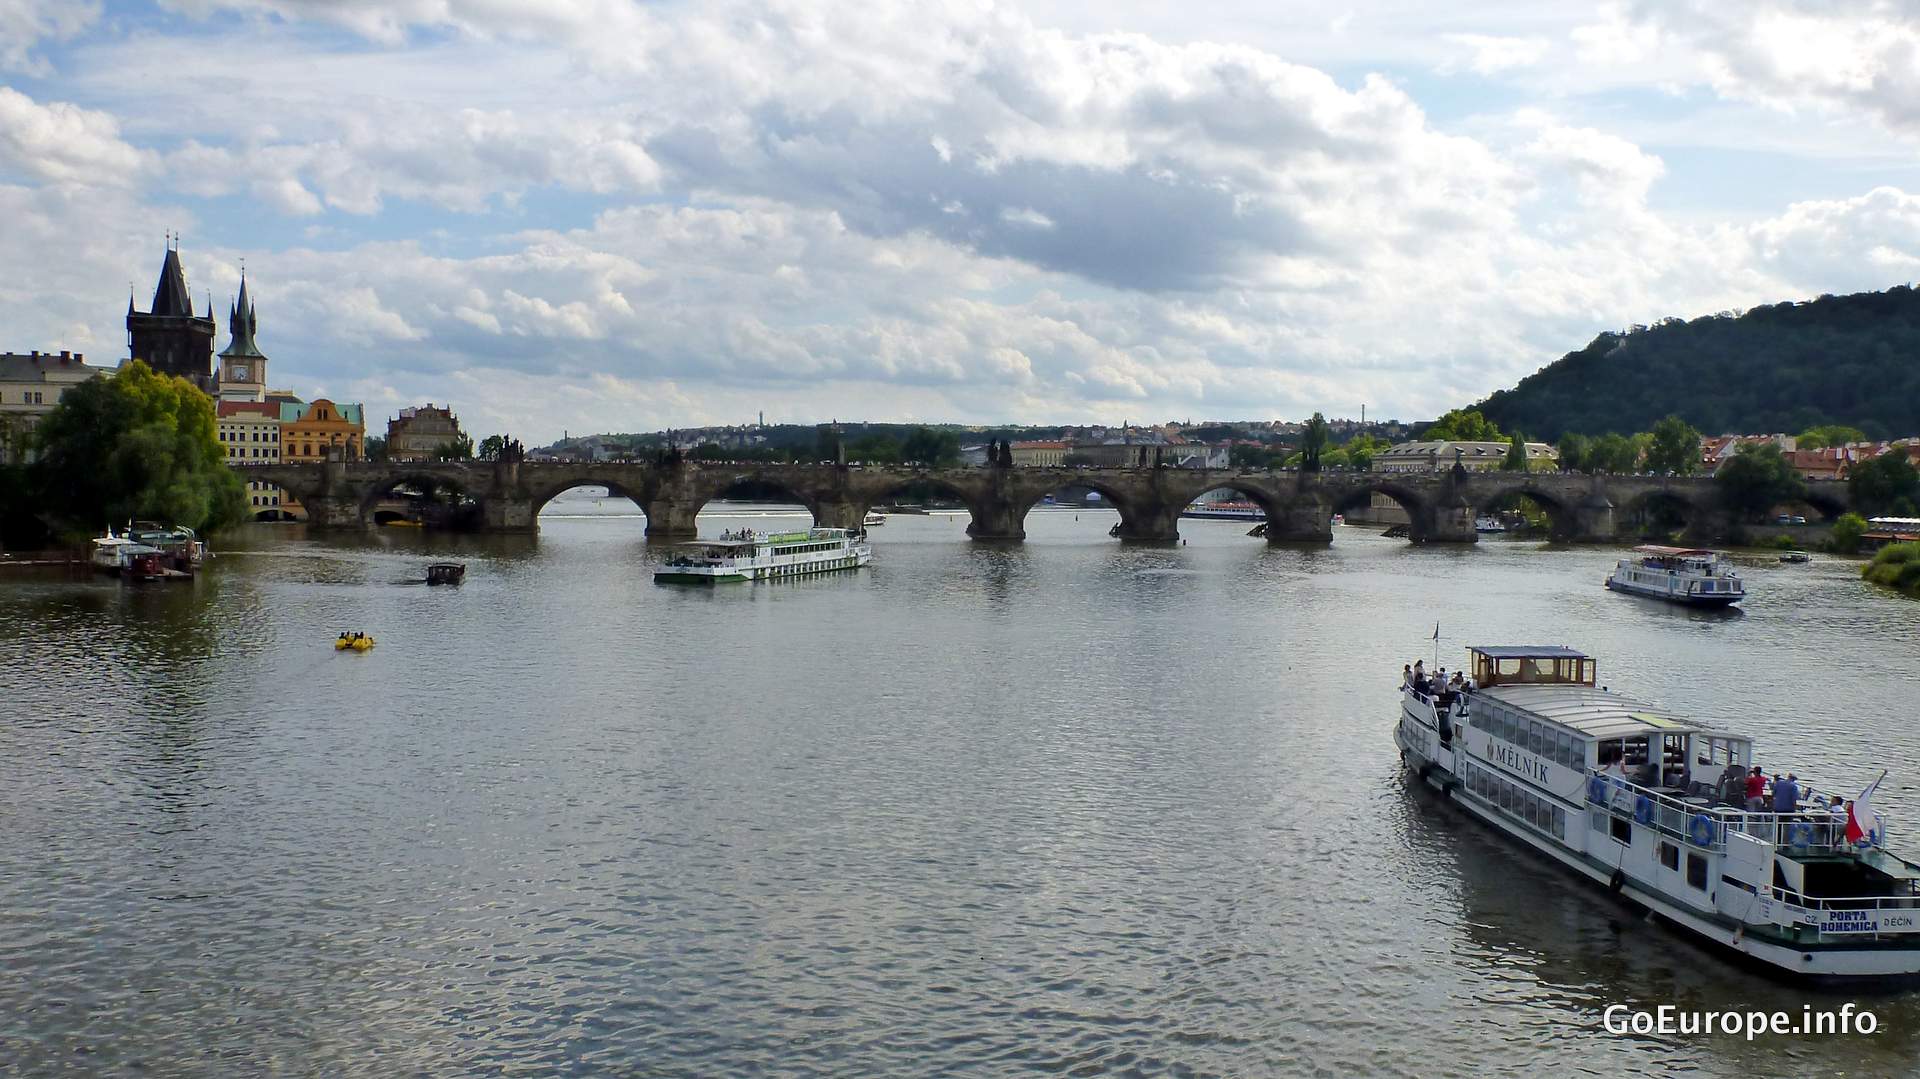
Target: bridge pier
{"type": "Point", "coordinates": [839, 514]}
{"type": "Point", "coordinates": [672, 519]}
{"type": "Point", "coordinates": [1451, 522]}
{"type": "Point", "coordinates": [998, 520]}
{"type": "Point", "coordinates": [1304, 520]}
{"type": "Point", "coordinates": [1151, 524]}
{"type": "Point", "coordinates": [335, 512]}
{"type": "Point", "coordinates": [505, 513]}
{"type": "Point", "coordinates": [1593, 520]}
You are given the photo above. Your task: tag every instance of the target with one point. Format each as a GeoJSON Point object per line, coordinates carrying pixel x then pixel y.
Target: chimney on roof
{"type": "Point", "coordinates": [65, 355]}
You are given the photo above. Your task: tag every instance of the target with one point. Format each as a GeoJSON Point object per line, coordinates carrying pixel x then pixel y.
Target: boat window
{"type": "Point", "coordinates": [1622, 831]}
{"type": "Point", "coordinates": [1564, 743]}
{"type": "Point", "coordinates": [1697, 871]}
{"type": "Point", "coordinates": [1535, 737]}
{"type": "Point", "coordinates": [1597, 819]}
{"type": "Point", "coordinates": [1670, 856]}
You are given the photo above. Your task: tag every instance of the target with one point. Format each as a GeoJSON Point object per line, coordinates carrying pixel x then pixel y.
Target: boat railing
{"type": "Point", "coordinates": [1820, 903]}
{"type": "Point", "coordinates": [1704, 824]}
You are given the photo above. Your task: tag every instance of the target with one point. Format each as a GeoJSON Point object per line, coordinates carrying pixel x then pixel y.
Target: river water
{"type": "Point", "coordinates": [1067, 807]}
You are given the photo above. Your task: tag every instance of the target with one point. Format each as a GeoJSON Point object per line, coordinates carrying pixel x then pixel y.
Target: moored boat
{"type": "Point", "coordinates": [1487, 522]}
{"type": "Point", "coordinates": [1685, 575]}
{"type": "Point", "coordinates": [873, 519]}
{"type": "Point", "coordinates": [748, 555]}
{"type": "Point", "coordinates": [1654, 807]}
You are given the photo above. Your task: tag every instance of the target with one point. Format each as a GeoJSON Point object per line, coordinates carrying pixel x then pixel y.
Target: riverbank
{"type": "Point", "coordinates": [1897, 566]}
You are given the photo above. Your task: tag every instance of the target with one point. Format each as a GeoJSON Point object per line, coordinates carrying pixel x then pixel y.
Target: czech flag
{"type": "Point", "coordinates": [1860, 819]}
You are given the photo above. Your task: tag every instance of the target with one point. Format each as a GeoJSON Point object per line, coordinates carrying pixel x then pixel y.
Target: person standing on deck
{"type": "Point", "coordinates": [1786, 794]}
{"type": "Point", "coordinates": [1756, 789]}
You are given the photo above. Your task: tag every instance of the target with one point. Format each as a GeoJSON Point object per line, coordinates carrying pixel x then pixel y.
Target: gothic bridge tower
{"type": "Point", "coordinates": [170, 337]}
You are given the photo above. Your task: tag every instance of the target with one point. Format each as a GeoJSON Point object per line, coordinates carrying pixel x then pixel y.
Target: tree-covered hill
{"type": "Point", "coordinates": [1786, 367]}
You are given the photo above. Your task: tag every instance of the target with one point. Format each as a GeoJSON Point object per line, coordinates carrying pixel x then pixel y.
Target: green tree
{"type": "Point", "coordinates": [1463, 425]}
{"type": "Point", "coordinates": [874, 449]}
{"type": "Point", "coordinates": [939, 449]}
{"type": "Point", "coordinates": [1674, 447]}
{"type": "Point", "coordinates": [1884, 484]}
{"type": "Point", "coordinates": [1574, 450]}
{"type": "Point", "coordinates": [1246, 458]}
{"type": "Point", "coordinates": [458, 449]}
{"type": "Point", "coordinates": [1612, 452]}
{"type": "Point", "coordinates": [1826, 435]}
{"type": "Point", "coordinates": [375, 448]}
{"type": "Point", "coordinates": [826, 445]}
{"type": "Point", "coordinates": [1757, 479]}
{"type": "Point", "coordinates": [1847, 532]}
{"type": "Point", "coordinates": [491, 446]}
{"type": "Point", "coordinates": [1363, 448]}
{"type": "Point", "coordinates": [1335, 458]}
{"type": "Point", "coordinates": [1516, 455]}
{"type": "Point", "coordinates": [136, 445]}
{"type": "Point", "coordinates": [1313, 440]}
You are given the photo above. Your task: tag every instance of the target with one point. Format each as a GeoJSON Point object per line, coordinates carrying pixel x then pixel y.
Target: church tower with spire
{"type": "Point", "coordinates": [243, 367]}
{"type": "Point", "coordinates": [170, 337]}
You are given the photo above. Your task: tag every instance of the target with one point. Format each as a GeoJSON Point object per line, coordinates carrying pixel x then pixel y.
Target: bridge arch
{"type": "Point", "coordinates": [616, 488]}
{"type": "Point", "coordinates": [1350, 496]}
{"type": "Point", "coordinates": [465, 512]}
{"type": "Point", "coordinates": [1562, 517]}
{"type": "Point", "coordinates": [709, 487]}
{"type": "Point", "coordinates": [1657, 513]}
{"type": "Point", "coordinates": [1136, 520]}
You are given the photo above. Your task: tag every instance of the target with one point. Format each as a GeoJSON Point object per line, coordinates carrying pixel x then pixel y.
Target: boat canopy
{"type": "Point", "coordinates": [1597, 713]}
{"type": "Point", "coordinates": [1501, 665]}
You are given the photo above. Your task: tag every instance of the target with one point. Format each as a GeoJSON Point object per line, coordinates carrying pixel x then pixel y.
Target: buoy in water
{"type": "Point", "coordinates": [358, 642]}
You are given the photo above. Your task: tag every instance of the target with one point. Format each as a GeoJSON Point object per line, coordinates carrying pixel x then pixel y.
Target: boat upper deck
{"type": "Point", "coordinates": [1594, 713]}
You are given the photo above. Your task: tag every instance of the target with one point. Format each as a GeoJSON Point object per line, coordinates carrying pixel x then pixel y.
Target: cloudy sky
{"type": "Point", "coordinates": [593, 215]}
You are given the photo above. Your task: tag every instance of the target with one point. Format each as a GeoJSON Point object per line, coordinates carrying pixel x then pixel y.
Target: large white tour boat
{"type": "Point", "coordinates": [1655, 808]}
{"type": "Point", "coordinates": [748, 555]}
{"type": "Point", "coordinates": [1687, 575]}
{"type": "Point", "coordinates": [1225, 510]}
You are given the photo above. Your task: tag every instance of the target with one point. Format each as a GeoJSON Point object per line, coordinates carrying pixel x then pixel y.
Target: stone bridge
{"type": "Point", "coordinates": [1440, 506]}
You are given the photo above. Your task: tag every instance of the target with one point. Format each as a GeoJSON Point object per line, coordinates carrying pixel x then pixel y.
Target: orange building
{"type": "Point", "coordinates": [308, 432]}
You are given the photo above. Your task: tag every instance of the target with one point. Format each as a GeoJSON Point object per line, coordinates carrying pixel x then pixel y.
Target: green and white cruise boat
{"type": "Point", "coordinates": [747, 555]}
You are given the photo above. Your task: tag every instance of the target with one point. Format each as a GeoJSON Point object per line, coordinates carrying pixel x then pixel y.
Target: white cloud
{"type": "Point", "coordinates": [942, 212]}
{"type": "Point", "coordinates": [1491, 54]}
{"type": "Point", "coordinates": [26, 23]}
{"type": "Point", "coordinates": [62, 143]}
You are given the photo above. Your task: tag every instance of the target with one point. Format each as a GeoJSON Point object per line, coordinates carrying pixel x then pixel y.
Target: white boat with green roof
{"type": "Point", "coordinates": [749, 555]}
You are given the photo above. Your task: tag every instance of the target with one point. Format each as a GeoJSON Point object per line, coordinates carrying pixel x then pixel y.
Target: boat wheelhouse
{"type": "Point", "coordinates": [748, 555]}
{"type": "Point", "coordinates": [124, 557]}
{"type": "Point", "coordinates": [1685, 575]}
{"type": "Point", "coordinates": [1653, 806]}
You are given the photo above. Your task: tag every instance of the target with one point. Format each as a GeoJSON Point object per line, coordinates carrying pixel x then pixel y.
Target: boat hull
{"type": "Point", "coordinates": [788, 571]}
{"type": "Point", "coordinates": [1681, 598]}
